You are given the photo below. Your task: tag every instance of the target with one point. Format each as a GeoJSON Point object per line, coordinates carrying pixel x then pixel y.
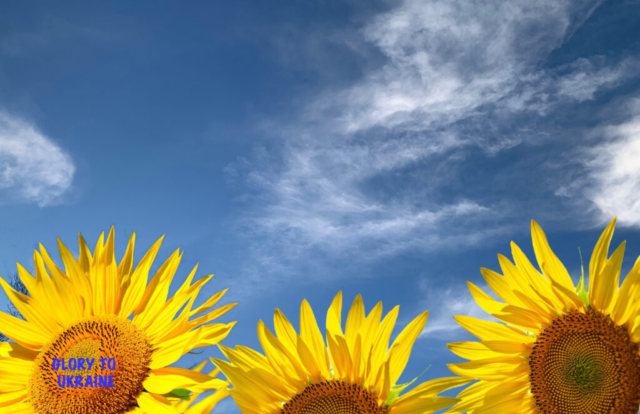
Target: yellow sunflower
{"type": "Point", "coordinates": [356, 374]}
{"type": "Point", "coordinates": [563, 349]}
{"type": "Point", "coordinates": [187, 404]}
{"type": "Point", "coordinates": [97, 339]}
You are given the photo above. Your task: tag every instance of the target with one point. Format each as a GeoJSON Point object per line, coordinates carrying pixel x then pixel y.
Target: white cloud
{"type": "Point", "coordinates": [614, 167]}
{"type": "Point", "coordinates": [32, 167]}
{"type": "Point", "coordinates": [447, 59]}
{"type": "Point", "coordinates": [586, 78]}
{"type": "Point", "coordinates": [367, 170]}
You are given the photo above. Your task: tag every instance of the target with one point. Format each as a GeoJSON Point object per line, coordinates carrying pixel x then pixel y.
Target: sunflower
{"type": "Point", "coordinates": [97, 339]}
{"type": "Point", "coordinates": [185, 403]}
{"type": "Point", "coordinates": [356, 374]}
{"type": "Point", "coordinates": [563, 349]}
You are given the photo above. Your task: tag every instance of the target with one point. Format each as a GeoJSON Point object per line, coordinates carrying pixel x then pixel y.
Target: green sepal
{"type": "Point", "coordinates": [581, 290]}
{"type": "Point", "coordinates": [179, 393]}
{"type": "Point", "coordinates": [398, 388]}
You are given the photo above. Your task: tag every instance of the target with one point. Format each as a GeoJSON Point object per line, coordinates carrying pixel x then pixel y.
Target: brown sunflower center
{"type": "Point", "coordinates": [584, 364]}
{"type": "Point", "coordinates": [334, 397]}
{"type": "Point", "coordinates": [81, 384]}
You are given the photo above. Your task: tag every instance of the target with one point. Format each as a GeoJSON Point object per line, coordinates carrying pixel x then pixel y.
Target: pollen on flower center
{"type": "Point", "coordinates": [100, 337]}
{"type": "Point", "coordinates": [334, 397]}
{"type": "Point", "coordinates": [584, 363]}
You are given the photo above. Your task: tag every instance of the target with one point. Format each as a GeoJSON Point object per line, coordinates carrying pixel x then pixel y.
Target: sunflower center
{"type": "Point", "coordinates": [334, 397]}
{"type": "Point", "coordinates": [583, 363]}
{"type": "Point", "coordinates": [83, 387]}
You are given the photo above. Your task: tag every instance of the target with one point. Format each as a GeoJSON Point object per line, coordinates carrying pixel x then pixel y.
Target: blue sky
{"type": "Point", "coordinates": [296, 149]}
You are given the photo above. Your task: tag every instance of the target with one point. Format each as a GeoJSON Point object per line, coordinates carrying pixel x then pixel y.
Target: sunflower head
{"type": "Point", "coordinates": [354, 372]}
{"type": "Point", "coordinates": [561, 349]}
{"type": "Point", "coordinates": [98, 336]}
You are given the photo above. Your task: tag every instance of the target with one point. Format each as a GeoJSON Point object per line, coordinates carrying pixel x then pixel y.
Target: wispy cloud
{"type": "Point", "coordinates": [33, 168]}
{"type": "Point", "coordinates": [365, 171]}
{"type": "Point", "coordinates": [446, 302]}
{"type": "Point", "coordinates": [614, 169]}
{"type": "Point", "coordinates": [449, 61]}
{"type": "Point", "coordinates": [587, 77]}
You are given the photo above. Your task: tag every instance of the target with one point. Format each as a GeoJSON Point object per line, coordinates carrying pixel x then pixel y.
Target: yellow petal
{"type": "Point", "coordinates": [522, 318]}
{"type": "Point", "coordinates": [424, 405]}
{"type": "Point", "coordinates": [486, 330]}
{"type": "Point", "coordinates": [401, 348]}
{"type": "Point", "coordinates": [417, 396]}
{"type": "Point", "coordinates": [309, 362]}
{"type": "Point", "coordinates": [24, 304]}
{"type": "Point", "coordinates": [627, 296]}
{"type": "Point", "coordinates": [246, 384]}
{"type": "Point", "coordinates": [84, 256]}
{"type": "Point", "coordinates": [134, 291]}
{"type": "Point", "coordinates": [22, 332]}
{"type": "Point", "coordinates": [354, 321]}
{"type": "Point", "coordinates": [605, 287]}
{"type": "Point", "coordinates": [286, 363]}
{"type": "Point", "coordinates": [489, 349]}
{"type": "Point", "coordinates": [206, 405]}
{"type": "Point", "coordinates": [491, 369]}
{"type": "Point", "coordinates": [551, 266]}
{"type": "Point", "coordinates": [11, 398]}
{"type": "Point", "coordinates": [499, 285]}
{"type": "Point", "coordinates": [156, 404]}
{"type": "Point", "coordinates": [285, 331]}
{"type": "Point", "coordinates": [339, 357]}
{"type": "Point", "coordinates": [381, 345]}
{"type": "Point", "coordinates": [538, 283]}
{"type": "Point", "coordinates": [472, 396]}
{"type": "Point", "coordinates": [13, 350]}
{"type": "Point", "coordinates": [599, 255]}
{"type": "Point", "coordinates": [369, 330]}
{"type": "Point", "coordinates": [155, 295]}
{"type": "Point", "coordinates": [125, 268]}
{"type": "Point", "coordinates": [164, 380]}
{"type": "Point", "coordinates": [334, 316]}
{"type": "Point", "coordinates": [310, 333]}
{"type": "Point", "coordinates": [437, 386]}
{"type": "Point", "coordinates": [243, 359]}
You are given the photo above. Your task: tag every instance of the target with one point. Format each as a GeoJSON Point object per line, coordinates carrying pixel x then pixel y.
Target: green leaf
{"type": "Point", "coordinates": [581, 290]}
{"type": "Point", "coordinates": [179, 393]}
{"type": "Point", "coordinates": [398, 388]}
{"type": "Point", "coordinates": [195, 353]}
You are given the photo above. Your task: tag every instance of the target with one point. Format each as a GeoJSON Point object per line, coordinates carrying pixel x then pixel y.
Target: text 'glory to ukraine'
{"type": "Point", "coordinates": [84, 364]}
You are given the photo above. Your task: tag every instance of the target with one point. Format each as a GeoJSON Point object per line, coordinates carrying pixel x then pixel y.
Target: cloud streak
{"type": "Point", "coordinates": [444, 303]}
{"type": "Point", "coordinates": [365, 171]}
{"type": "Point", "coordinates": [33, 169]}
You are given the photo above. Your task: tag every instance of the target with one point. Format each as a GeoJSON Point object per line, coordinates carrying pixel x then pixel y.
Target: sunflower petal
{"type": "Point", "coordinates": [599, 256]}
{"type": "Point", "coordinates": [401, 348]}
{"type": "Point", "coordinates": [551, 266]}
